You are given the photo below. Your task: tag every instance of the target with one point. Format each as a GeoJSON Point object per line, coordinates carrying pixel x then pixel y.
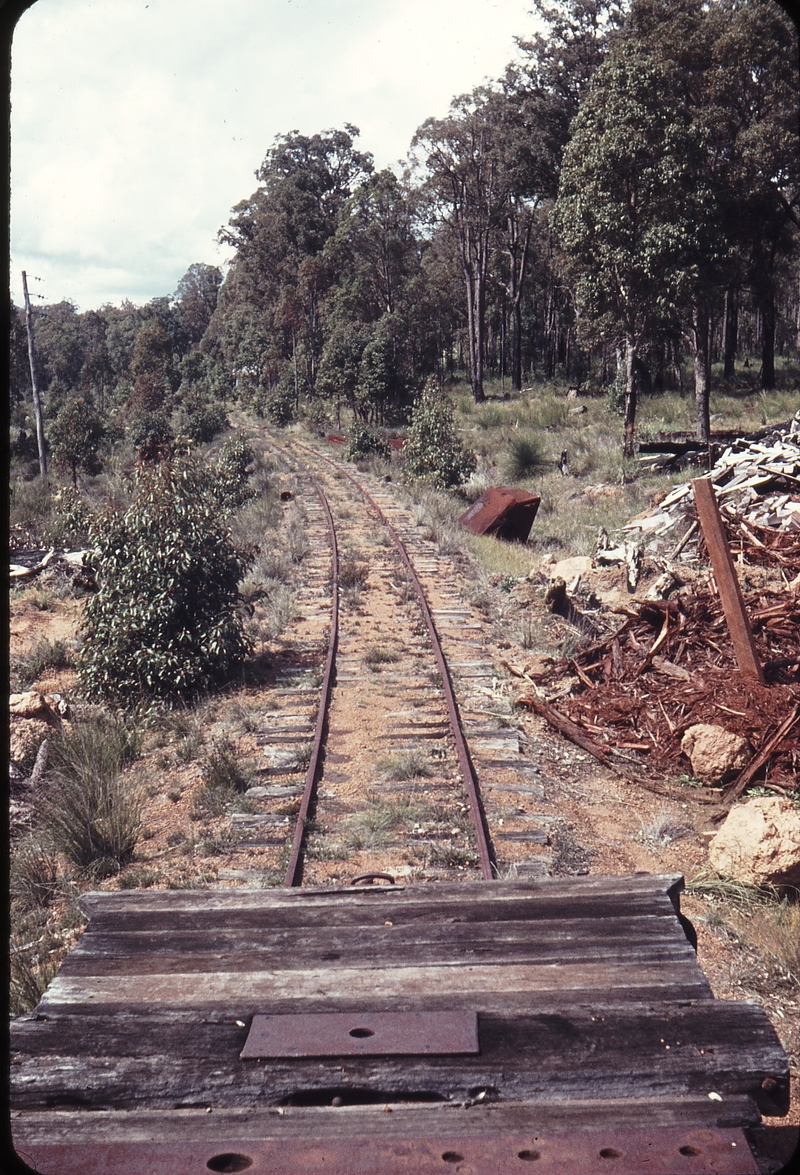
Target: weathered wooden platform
{"type": "Point", "coordinates": [601, 1046]}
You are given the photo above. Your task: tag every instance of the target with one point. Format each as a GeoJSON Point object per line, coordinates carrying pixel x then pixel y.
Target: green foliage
{"type": "Point", "coordinates": [75, 437]}
{"type": "Point", "coordinates": [230, 483]}
{"type": "Point", "coordinates": [92, 812]}
{"type": "Point", "coordinates": [165, 619]}
{"type": "Point", "coordinates": [72, 516]}
{"type": "Point", "coordinates": [364, 442]}
{"type": "Point", "coordinates": [433, 454]}
{"type": "Point", "coordinates": [150, 434]}
{"type": "Point", "coordinates": [202, 422]}
{"type": "Point", "coordinates": [277, 404]}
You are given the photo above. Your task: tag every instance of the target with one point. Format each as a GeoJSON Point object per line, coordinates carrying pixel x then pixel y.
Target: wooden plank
{"type": "Point", "coordinates": [727, 1049]}
{"type": "Point", "coordinates": [564, 953]}
{"type": "Point", "coordinates": [405, 1121]}
{"type": "Point", "coordinates": [153, 951]}
{"type": "Point", "coordinates": [182, 989]}
{"type": "Point", "coordinates": [586, 909]}
{"type": "Point", "coordinates": [425, 896]}
{"type": "Point", "coordinates": [730, 592]}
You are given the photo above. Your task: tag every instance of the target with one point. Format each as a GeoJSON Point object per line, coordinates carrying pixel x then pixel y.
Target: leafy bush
{"type": "Point", "coordinates": [202, 422]}
{"type": "Point", "coordinates": [165, 620]}
{"type": "Point", "coordinates": [150, 435]}
{"type": "Point", "coordinates": [92, 813]}
{"type": "Point", "coordinates": [364, 442]}
{"type": "Point", "coordinates": [230, 485]}
{"type": "Point", "coordinates": [72, 518]}
{"type": "Point", "coordinates": [277, 404]}
{"type": "Point", "coordinates": [432, 451]}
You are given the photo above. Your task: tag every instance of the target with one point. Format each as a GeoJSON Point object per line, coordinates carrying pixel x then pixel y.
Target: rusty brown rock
{"type": "Point", "coordinates": [759, 843]}
{"type": "Point", "coordinates": [714, 752]}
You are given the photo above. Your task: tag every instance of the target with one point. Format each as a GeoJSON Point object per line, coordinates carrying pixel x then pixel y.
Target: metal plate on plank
{"type": "Point", "coordinates": [662, 1151]}
{"type": "Point", "coordinates": [344, 1034]}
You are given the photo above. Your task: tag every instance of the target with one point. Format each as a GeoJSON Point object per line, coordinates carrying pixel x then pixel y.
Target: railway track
{"type": "Point", "coordinates": [412, 764]}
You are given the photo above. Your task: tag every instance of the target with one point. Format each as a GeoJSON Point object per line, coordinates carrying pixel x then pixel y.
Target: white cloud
{"type": "Point", "coordinates": [137, 126]}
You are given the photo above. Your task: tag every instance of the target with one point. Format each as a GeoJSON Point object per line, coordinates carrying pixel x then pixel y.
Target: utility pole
{"type": "Point", "coordinates": [37, 404]}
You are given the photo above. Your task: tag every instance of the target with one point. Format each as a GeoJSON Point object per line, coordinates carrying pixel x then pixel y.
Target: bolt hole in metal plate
{"type": "Point", "coordinates": [342, 1034]}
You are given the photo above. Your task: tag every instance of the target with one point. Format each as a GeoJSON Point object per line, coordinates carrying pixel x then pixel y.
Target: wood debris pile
{"type": "Point", "coordinates": [757, 484]}
{"type": "Point", "coordinates": [671, 665]}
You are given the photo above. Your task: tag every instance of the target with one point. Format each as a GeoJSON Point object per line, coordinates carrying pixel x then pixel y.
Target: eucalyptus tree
{"type": "Point", "coordinates": [736, 83]}
{"type": "Point", "coordinates": [195, 301]}
{"type": "Point", "coordinates": [475, 173]}
{"type": "Point", "coordinates": [279, 235]}
{"type": "Point", "coordinates": [59, 345]}
{"type": "Point", "coordinates": [544, 86]}
{"type": "Point", "coordinates": [756, 62]}
{"type": "Point", "coordinates": [628, 203]}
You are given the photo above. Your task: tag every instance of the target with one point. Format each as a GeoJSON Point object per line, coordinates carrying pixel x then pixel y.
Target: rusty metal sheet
{"type": "Point", "coordinates": [670, 1151]}
{"type": "Point", "coordinates": [335, 1034]}
{"type": "Point", "coordinates": [503, 511]}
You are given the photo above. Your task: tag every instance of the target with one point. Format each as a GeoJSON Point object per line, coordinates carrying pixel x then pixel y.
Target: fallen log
{"type": "Point", "coordinates": [18, 572]}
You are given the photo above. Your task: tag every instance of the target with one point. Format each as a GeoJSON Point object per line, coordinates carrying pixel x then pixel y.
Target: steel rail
{"type": "Point", "coordinates": [294, 868]}
{"type": "Point", "coordinates": [485, 853]}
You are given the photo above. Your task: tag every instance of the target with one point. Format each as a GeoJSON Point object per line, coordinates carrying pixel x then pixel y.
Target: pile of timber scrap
{"type": "Point", "coordinates": [757, 484]}
{"type": "Point", "coordinates": [669, 666]}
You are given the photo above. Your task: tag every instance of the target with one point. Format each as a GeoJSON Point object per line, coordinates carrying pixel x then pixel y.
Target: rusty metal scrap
{"type": "Point", "coordinates": [503, 511]}
{"type": "Point", "coordinates": [659, 1150]}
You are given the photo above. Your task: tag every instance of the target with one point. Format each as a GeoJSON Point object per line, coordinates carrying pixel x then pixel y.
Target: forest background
{"type": "Point", "coordinates": [619, 211]}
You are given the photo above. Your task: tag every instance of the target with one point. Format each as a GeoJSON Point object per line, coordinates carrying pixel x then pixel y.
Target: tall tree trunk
{"type": "Point", "coordinates": [37, 404]}
{"type": "Point", "coordinates": [730, 333]}
{"type": "Point", "coordinates": [675, 359]}
{"type": "Point", "coordinates": [698, 338]}
{"type": "Point", "coordinates": [768, 342]}
{"type": "Point", "coordinates": [630, 395]}
{"type": "Point", "coordinates": [475, 332]}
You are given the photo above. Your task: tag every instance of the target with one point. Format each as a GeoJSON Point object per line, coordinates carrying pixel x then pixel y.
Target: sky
{"type": "Point", "coordinates": [137, 125]}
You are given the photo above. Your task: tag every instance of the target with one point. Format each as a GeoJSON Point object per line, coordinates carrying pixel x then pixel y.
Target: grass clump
{"type": "Point", "coordinates": [222, 770]}
{"type": "Point", "coordinates": [353, 573]}
{"type": "Point", "coordinates": [223, 779]}
{"type": "Point", "coordinates": [524, 458]}
{"type": "Point", "coordinates": [402, 765]}
{"type": "Point", "coordinates": [662, 830]}
{"type": "Point", "coordinates": [371, 827]}
{"type": "Point", "coordinates": [91, 811]}
{"type": "Point", "coordinates": [380, 655]}
{"type": "Point", "coordinates": [43, 655]}
{"type": "Point", "coordinates": [33, 872]}
{"type": "Point", "coordinates": [764, 922]}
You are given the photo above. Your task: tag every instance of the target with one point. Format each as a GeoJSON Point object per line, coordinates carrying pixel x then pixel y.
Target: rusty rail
{"type": "Point", "coordinates": [485, 854]}
{"type": "Point", "coordinates": [294, 869]}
